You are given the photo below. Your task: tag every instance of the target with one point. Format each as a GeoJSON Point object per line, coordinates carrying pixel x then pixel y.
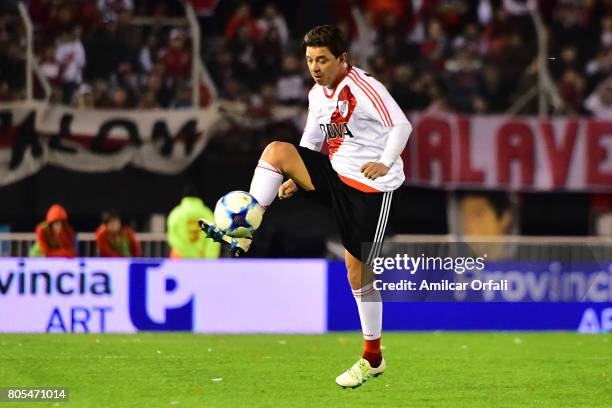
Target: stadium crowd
{"type": "Point", "coordinates": [450, 55]}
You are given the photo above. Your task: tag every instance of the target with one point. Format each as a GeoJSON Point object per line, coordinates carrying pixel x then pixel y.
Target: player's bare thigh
{"type": "Point", "coordinates": [285, 157]}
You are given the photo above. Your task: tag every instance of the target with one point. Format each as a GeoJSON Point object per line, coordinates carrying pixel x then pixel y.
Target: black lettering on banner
{"type": "Point", "coordinates": [99, 143]}
{"type": "Point", "coordinates": [188, 133]}
{"type": "Point", "coordinates": [26, 137]}
{"type": "Point", "coordinates": [64, 131]}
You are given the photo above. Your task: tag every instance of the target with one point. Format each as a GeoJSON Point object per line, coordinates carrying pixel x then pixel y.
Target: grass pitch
{"type": "Point", "coordinates": [424, 369]}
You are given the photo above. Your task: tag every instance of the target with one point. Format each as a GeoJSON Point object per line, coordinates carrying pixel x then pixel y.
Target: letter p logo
{"type": "Point", "coordinates": [157, 301]}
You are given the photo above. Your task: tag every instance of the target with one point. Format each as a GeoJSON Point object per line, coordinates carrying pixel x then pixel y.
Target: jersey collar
{"type": "Point", "coordinates": [350, 67]}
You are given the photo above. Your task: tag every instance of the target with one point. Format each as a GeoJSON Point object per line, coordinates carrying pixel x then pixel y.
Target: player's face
{"type": "Point", "coordinates": [323, 66]}
{"type": "Point", "coordinates": [478, 217]}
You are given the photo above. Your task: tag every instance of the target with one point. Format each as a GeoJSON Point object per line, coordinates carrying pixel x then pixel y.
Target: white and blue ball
{"type": "Point", "coordinates": [238, 214]}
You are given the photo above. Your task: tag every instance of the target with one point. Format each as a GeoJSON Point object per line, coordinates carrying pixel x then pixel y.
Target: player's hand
{"type": "Point", "coordinates": [372, 170]}
{"type": "Point", "coordinates": [287, 189]}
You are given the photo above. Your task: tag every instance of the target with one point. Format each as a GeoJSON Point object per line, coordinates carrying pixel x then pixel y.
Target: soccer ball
{"type": "Point", "coordinates": [238, 214]}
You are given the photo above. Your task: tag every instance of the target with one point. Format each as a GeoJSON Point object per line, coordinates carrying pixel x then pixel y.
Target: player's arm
{"type": "Point", "coordinates": [391, 116]}
{"type": "Point", "coordinates": [396, 143]}
{"type": "Point", "coordinates": [312, 139]}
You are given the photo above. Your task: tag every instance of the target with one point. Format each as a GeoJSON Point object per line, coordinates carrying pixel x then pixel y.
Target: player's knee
{"type": "Point", "coordinates": [276, 153]}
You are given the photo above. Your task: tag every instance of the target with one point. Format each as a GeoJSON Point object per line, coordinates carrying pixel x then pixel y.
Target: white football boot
{"type": "Point", "coordinates": [359, 373]}
{"type": "Point", "coordinates": [238, 246]}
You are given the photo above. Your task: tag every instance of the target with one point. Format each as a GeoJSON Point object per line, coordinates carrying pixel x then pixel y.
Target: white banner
{"type": "Point", "coordinates": [447, 151]}
{"type": "Point", "coordinates": [512, 153]}
{"type": "Point", "coordinates": [162, 141]}
{"type": "Point", "coordinates": [118, 296]}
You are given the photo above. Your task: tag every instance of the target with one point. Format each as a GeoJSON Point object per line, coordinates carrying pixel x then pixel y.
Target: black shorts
{"type": "Point", "coordinates": [362, 218]}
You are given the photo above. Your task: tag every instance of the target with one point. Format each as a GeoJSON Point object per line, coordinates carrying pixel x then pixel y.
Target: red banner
{"type": "Point", "coordinates": [517, 153]}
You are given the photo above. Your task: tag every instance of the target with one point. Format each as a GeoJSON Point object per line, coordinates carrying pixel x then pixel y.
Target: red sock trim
{"type": "Point", "coordinates": [372, 352]}
{"type": "Point", "coordinates": [372, 346]}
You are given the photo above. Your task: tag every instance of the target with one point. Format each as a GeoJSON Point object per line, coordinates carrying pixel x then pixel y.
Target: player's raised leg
{"type": "Point", "coordinates": [369, 305]}
{"type": "Point", "coordinates": [278, 159]}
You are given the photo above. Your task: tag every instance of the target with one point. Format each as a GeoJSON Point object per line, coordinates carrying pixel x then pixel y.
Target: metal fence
{"type": "Point", "coordinates": [154, 244]}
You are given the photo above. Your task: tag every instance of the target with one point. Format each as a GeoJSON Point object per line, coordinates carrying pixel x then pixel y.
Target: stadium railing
{"type": "Point", "coordinates": [15, 244]}
{"type": "Point", "coordinates": [516, 247]}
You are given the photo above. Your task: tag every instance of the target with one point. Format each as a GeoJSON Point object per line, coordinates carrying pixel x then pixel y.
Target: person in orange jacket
{"type": "Point", "coordinates": [54, 236]}
{"type": "Point", "coordinates": [114, 239]}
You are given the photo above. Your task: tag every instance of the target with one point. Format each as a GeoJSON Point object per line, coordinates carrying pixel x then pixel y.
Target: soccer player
{"type": "Point", "coordinates": [365, 131]}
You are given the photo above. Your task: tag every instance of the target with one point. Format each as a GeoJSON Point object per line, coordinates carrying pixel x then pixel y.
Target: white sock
{"type": "Point", "coordinates": [266, 181]}
{"type": "Point", "coordinates": [369, 305]}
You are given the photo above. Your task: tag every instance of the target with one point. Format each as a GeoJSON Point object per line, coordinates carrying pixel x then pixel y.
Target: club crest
{"type": "Point", "coordinates": [343, 108]}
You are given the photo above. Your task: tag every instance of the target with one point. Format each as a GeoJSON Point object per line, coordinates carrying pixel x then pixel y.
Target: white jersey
{"type": "Point", "coordinates": [355, 119]}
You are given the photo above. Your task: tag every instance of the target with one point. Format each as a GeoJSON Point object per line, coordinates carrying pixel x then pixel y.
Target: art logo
{"type": "Point", "coordinates": [157, 299]}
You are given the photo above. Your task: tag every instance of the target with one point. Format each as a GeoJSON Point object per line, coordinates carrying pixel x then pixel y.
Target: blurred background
{"type": "Point", "coordinates": [483, 82]}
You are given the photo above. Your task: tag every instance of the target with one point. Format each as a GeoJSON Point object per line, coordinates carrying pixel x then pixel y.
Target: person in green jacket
{"type": "Point", "coordinates": [184, 235]}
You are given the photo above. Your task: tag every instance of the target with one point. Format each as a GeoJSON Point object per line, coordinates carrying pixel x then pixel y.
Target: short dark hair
{"type": "Point", "coordinates": [499, 200]}
{"type": "Point", "coordinates": [329, 36]}
{"type": "Point", "coordinates": [109, 215]}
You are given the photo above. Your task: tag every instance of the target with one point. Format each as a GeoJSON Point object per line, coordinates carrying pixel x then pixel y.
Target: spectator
{"type": "Point", "coordinates": [462, 79]}
{"type": "Point", "coordinates": [54, 236]}
{"type": "Point", "coordinates": [273, 19]}
{"type": "Point", "coordinates": [185, 238]}
{"type": "Point", "coordinates": [433, 48]}
{"type": "Point", "coordinates": [100, 93]}
{"type": "Point", "coordinates": [163, 90]}
{"type": "Point", "coordinates": [568, 60]}
{"type": "Point", "coordinates": [242, 18]}
{"type": "Point", "coordinates": [119, 99]}
{"type": "Point", "coordinates": [148, 53]}
{"type": "Point", "coordinates": [114, 7]}
{"type": "Point", "coordinates": [391, 38]}
{"type": "Point", "coordinates": [470, 39]}
{"type": "Point", "coordinates": [223, 68]}
{"type": "Point", "coordinates": [176, 58]}
{"type": "Point", "coordinates": [243, 48]}
{"type": "Point", "coordinates": [599, 67]}
{"type": "Point", "coordinates": [125, 78]}
{"type": "Point", "coordinates": [571, 88]}
{"type": "Point", "coordinates": [115, 239]}
{"type": "Point", "coordinates": [605, 37]}
{"type": "Point", "coordinates": [493, 90]}
{"type": "Point", "coordinates": [148, 101]}
{"type": "Point", "coordinates": [233, 91]}
{"type": "Point", "coordinates": [402, 87]}
{"type": "Point", "coordinates": [183, 99]}
{"type": "Point", "coordinates": [290, 88]}
{"type": "Point", "coordinates": [70, 55]}
{"type": "Point", "coordinates": [85, 99]}
{"type": "Point", "coordinates": [269, 56]}
{"type": "Point", "coordinates": [50, 67]}
{"type": "Point", "coordinates": [599, 103]}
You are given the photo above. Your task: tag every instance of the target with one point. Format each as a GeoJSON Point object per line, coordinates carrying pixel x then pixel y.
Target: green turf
{"type": "Point", "coordinates": [424, 369]}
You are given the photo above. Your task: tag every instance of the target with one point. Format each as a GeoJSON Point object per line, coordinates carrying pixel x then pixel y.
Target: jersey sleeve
{"type": "Point", "coordinates": [380, 104]}
{"type": "Point", "coordinates": [312, 138]}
